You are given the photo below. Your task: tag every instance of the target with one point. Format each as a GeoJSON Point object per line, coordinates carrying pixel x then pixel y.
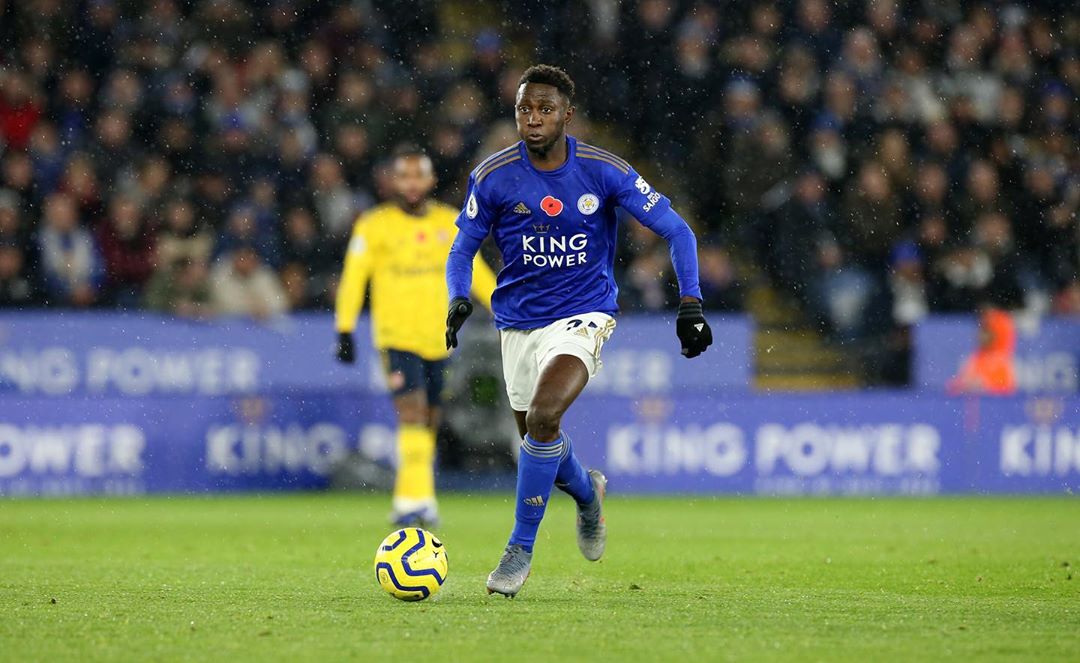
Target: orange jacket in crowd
{"type": "Point", "coordinates": [990, 369]}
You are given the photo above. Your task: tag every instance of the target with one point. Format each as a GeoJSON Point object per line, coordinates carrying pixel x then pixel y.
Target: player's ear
{"type": "Point", "coordinates": [570, 114]}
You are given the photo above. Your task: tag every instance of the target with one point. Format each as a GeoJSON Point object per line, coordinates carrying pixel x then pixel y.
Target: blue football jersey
{"type": "Point", "coordinates": [556, 230]}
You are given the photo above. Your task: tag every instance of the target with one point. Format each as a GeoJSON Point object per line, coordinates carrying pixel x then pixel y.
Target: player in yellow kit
{"type": "Point", "coordinates": [400, 247]}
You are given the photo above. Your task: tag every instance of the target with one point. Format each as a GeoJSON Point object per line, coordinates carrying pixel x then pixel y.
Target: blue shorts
{"type": "Point", "coordinates": [407, 372]}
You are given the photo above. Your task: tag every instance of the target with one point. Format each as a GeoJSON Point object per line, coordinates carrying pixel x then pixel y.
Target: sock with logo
{"type": "Point", "coordinates": [572, 478]}
{"type": "Point", "coordinates": [537, 466]}
{"type": "Point", "coordinates": [414, 485]}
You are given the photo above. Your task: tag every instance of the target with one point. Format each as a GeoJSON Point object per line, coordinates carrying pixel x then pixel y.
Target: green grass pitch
{"type": "Point", "coordinates": [290, 577]}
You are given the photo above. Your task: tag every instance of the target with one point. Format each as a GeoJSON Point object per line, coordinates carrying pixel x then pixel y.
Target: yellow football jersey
{"type": "Point", "coordinates": [404, 258]}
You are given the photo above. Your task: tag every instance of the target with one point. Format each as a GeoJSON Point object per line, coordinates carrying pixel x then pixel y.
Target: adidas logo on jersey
{"type": "Point", "coordinates": [522, 209]}
{"type": "Point", "coordinates": [534, 501]}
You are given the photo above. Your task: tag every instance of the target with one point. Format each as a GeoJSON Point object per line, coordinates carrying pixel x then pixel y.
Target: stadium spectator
{"type": "Point", "coordinates": [242, 229]}
{"type": "Point", "coordinates": [128, 249]}
{"type": "Point", "coordinates": [81, 182]}
{"type": "Point", "coordinates": [47, 155]}
{"type": "Point", "coordinates": [181, 289]}
{"type": "Point", "coordinates": [71, 264]}
{"type": "Point", "coordinates": [20, 110]}
{"type": "Point", "coordinates": [296, 280]}
{"type": "Point", "coordinates": [1067, 302]}
{"type": "Point", "coordinates": [721, 288]}
{"type": "Point", "coordinates": [12, 228]}
{"type": "Point", "coordinates": [17, 177]}
{"type": "Point", "coordinates": [648, 282]}
{"type": "Point", "coordinates": [305, 247]}
{"type": "Point", "coordinates": [807, 210]}
{"type": "Point", "coordinates": [870, 221]}
{"type": "Point", "coordinates": [907, 282]}
{"type": "Point", "coordinates": [17, 288]}
{"type": "Point", "coordinates": [334, 203]}
{"type": "Point", "coordinates": [991, 368]}
{"type": "Point", "coordinates": [241, 284]}
{"type": "Point", "coordinates": [181, 236]}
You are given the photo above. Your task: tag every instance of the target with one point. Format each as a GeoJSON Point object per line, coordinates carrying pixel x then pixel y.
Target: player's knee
{"type": "Point", "coordinates": [414, 417]}
{"type": "Point", "coordinates": [543, 421]}
{"type": "Point", "coordinates": [412, 409]}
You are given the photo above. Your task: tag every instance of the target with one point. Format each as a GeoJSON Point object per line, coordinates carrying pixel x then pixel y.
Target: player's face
{"type": "Point", "coordinates": [541, 113]}
{"type": "Point", "coordinates": [414, 178]}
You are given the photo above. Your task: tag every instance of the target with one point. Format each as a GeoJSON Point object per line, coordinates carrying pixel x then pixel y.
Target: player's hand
{"type": "Point", "coordinates": [693, 332]}
{"type": "Point", "coordinates": [346, 353]}
{"type": "Point", "coordinates": [460, 310]}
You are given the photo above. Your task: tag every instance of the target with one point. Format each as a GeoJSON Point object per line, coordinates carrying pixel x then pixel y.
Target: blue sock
{"type": "Point", "coordinates": [572, 477]}
{"type": "Point", "coordinates": [537, 467]}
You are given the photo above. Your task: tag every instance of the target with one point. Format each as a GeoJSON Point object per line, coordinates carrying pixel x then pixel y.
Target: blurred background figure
{"type": "Point", "coordinates": [398, 250]}
{"type": "Point", "coordinates": [991, 368]}
{"type": "Point", "coordinates": [242, 284]}
{"type": "Point", "coordinates": [73, 270]}
{"type": "Point", "coordinates": [181, 289]}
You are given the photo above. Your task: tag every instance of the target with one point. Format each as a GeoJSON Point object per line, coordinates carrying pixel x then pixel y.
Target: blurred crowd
{"type": "Point", "coordinates": [879, 160]}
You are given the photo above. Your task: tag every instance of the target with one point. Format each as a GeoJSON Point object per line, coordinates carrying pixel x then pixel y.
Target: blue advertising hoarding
{"type": "Point", "coordinates": [741, 444]}
{"type": "Point", "coordinates": [141, 404]}
{"type": "Point", "coordinates": [83, 354]}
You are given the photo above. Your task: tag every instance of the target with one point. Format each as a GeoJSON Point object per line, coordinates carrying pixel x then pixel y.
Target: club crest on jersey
{"type": "Point", "coordinates": [551, 205]}
{"type": "Point", "coordinates": [587, 204]}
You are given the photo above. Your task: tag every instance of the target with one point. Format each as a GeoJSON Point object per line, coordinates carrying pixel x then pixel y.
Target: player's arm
{"type": "Point", "coordinates": [474, 224]}
{"type": "Point", "coordinates": [654, 211]}
{"type": "Point", "coordinates": [350, 294]}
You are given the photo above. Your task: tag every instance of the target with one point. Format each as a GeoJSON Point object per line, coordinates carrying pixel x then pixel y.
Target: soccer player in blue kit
{"type": "Point", "coordinates": [549, 201]}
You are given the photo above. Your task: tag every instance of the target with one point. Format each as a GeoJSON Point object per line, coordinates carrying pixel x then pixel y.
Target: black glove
{"type": "Point", "coordinates": [692, 330]}
{"type": "Point", "coordinates": [346, 354]}
{"type": "Point", "coordinates": [460, 310]}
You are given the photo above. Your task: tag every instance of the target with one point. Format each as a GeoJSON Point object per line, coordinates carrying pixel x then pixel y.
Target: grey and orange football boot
{"type": "Point", "coordinates": [591, 528]}
{"type": "Point", "coordinates": [511, 573]}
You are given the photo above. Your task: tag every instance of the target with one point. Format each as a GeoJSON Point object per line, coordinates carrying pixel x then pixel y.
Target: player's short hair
{"type": "Point", "coordinates": [408, 150]}
{"type": "Point", "coordinates": [547, 74]}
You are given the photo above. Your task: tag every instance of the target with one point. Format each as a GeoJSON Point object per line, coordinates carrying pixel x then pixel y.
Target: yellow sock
{"type": "Point", "coordinates": [414, 486]}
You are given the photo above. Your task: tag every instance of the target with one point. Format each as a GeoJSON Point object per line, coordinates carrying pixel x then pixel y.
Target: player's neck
{"type": "Point", "coordinates": [419, 209]}
{"type": "Point", "coordinates": [553, 158]}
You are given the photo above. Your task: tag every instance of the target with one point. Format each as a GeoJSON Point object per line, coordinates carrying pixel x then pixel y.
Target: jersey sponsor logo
{"type": "Point", "coordinates": [551, 251]}
{"type": "Point", "coordinates": [551, 205]}
{"type": "Point", "coordinates": [588, 204]}
{"type": "Point", "coordinates": [471, 207]}
{"type": "Point", "coordinates": [521, 208]}
{"type": "Point", "coordinates": [654, 198]}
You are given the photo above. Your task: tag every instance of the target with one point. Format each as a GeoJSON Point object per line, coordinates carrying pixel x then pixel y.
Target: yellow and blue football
{"type": "Point", "coordinates": [411, 564]}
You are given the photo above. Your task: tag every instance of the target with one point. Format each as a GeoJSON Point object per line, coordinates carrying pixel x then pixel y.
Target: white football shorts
{"type": "Point", "coordinates": [525, 353]}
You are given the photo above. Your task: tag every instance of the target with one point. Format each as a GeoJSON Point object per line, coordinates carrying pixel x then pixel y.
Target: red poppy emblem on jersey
{"type": "Point", "coordinates": [551, 205]}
